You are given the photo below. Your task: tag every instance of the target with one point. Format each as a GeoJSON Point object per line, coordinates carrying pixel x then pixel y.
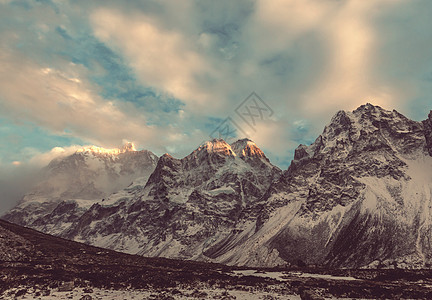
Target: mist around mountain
{"type": "Point", "coordinates": [358, 197]}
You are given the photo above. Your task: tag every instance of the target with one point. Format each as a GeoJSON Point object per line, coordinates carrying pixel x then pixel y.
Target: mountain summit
{"type": "Point", "coordinates": [247, 148]}
{"type": "Point", "coordinates": [359, 196]}
{"type": "Point", "coordinates": [127, 147]}
{"type": "Point", "coordinates": [71, 184]}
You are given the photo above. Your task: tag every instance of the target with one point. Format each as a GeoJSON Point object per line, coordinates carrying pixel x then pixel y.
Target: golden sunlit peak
{"type": "Point", "coordinates": [128, 147]}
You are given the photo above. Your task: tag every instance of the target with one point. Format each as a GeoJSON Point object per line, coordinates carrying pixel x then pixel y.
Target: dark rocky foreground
{"type": "Point", "coordinates": [36, 264]}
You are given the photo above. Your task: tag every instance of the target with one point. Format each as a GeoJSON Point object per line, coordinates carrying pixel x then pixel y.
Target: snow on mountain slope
{"type": "Point", "coordinates": [72, 184]}
{"type": "Point", "coordinates": [362, 194]}
{"type": "Point", "coordinates": [359, 196]}
{"type": "Point", "coordinates": [354, 185]}
{"type": "Point", "coordinates": [187, 206]}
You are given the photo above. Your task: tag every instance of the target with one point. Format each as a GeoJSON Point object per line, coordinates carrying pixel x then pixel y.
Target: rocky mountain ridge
{"type": "Point", "coordinates": [359, 196]}
{"type": "Point", "coordinates": [185, 204]}
{"type": "Point", "coordinates": [70, 185]}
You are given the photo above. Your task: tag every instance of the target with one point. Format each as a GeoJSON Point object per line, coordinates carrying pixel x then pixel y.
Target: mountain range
{"type": "Point", "coordinates": [359, 196]}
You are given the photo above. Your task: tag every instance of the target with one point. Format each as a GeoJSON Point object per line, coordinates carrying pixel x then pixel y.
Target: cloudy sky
{"type": "Point", "coordinates": [166, 74]}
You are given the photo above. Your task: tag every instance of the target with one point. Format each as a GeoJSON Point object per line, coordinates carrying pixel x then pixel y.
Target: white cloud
{"type": "Point", "coordinates": [288, 19]}
{"type": "Point", "coordinates": [64, 101]}
{"type": "Point", "coordinates": [162, 58]}
{"type": "Point", "coordinates": [305, 58]}
{"type": "Point", "coordinates": [348, 78]}
{"type": "Point", "coordinates": [43, 159]}
{"type": "Point", "coordinates": [343, 73]}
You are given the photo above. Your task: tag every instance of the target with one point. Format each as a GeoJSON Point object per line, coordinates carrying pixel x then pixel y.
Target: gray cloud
{"type": "Point", "coordinates": [14, 183]}
{"type": "Point", "coordinates": [305, 58]}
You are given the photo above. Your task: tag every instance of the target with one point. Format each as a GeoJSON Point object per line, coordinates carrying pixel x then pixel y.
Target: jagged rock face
{"type": "Point", "coordinates": [359, 196]}
{"type": "Point", "coordinates": [428, 132]}
{"type": "Point", "coordinates": [91, 174]}
{"type": "Point", "coordinates": [71, 184]}
{"type": "Point", "coordinates": [187, 208]}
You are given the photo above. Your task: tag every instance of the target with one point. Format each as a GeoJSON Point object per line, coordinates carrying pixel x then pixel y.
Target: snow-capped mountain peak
{"type": "Point", "coordinates": [360, 195]}
{"type": "Point", "coordinates": [71, 184]}
{"type": "Point", "coordinates": [368, 127]}
{"type": "Point", "coordinates": [218, 146]}
{"type": "Point", "coordinates": [127, 147]}
{"type": "Point", "coordinates": [246, 148]}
